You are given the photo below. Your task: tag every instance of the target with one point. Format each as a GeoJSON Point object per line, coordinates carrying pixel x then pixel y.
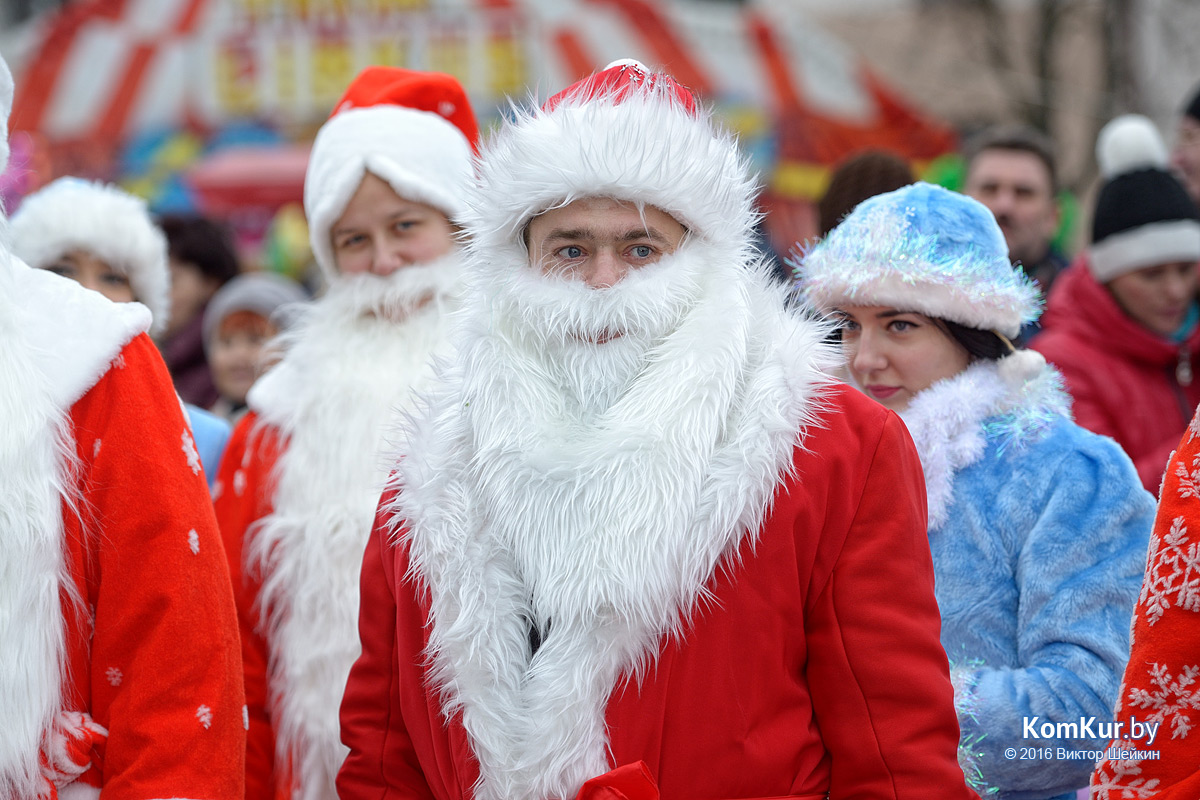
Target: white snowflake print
{"type": "Point", "coordinates": [96, 448]}
{"type": "Point", "coordinates": [114, 676]}
{"type": "Point", "coordinates": [1123, 783]}
{"type": "Point", "coordinates": [1171, 697]}
{"type": "Point", "coordinates": [194, 541]}
{"type": "Point", "coordinates": [205, 715]}
{"type": "Point", "coordinates": [217, 489]}
{"type": "Point", "coordinates": [119, 361]}
{"type": "Point", "coordinates": [1194, 425]}
{"type": "Point", "coordinates": [189, 450]}
{"type": "Point", "coordinates": [239, 482]}
{"type": "Point", "coordinates": [246, 717]}
{"type": "Point", "coordinates": [1189, 481]}
{"type": "Point", "coordinates": [1172, 574]}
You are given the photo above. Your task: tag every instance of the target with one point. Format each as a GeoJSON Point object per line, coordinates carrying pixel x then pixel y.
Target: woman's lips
{"type": "Point", "coordinates": [882, 392]}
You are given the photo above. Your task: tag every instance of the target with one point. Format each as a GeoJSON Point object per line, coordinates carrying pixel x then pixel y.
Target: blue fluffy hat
{"type": "Point", "coordinates": [926, 249]}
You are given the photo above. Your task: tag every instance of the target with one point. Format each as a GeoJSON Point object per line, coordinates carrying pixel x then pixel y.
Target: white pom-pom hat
{"type": "Point", "coordinates": [926, 249]}
{"type": "Point", "coordinates": [100, 219]}
{"type": "Point", "coordinates": [1143, 216]}
{"type": "Point", "coordinates": [625, 133]}
{"type": "Point", "coordinates": [414, 130]}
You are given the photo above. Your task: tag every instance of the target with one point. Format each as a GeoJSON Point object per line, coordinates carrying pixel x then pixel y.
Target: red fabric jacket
{"type": "Point", "coordinates": [241, 496]}
{"type": "Point", "coordinates": [816, 668]}
{"type": "Point", "coordinates": [1121, 376]}
{"type": "Point", "coordinates": [1160, 680]}
{"type": "Point", "coordinates": [152, 653]}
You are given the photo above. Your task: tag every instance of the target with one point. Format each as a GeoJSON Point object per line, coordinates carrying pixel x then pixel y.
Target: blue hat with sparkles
{"type": "Point", "coordinates": [926, 249]}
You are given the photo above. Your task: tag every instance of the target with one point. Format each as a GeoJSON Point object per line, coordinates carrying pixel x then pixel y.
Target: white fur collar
{"type": "Point", "coordinates": [334, 396]}
{"type": "Point", "coordinates": [521, 507]}
{"type": "Point", "coordinates": [56, 340]}
{"type": "Point", "coordinates": [87, 330]}
{"type": "Point", "coordinates": [1018, 396]}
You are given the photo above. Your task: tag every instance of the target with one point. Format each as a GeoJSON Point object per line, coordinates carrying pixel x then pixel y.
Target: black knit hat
{"type": "Point", "coordinates": [1143, 215]}
{"type": "Point", "coordinates": [1192, 109]}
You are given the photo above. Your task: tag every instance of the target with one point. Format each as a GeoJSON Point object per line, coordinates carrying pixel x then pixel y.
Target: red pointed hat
{"type": "Point", "coordinates": [627, 133]}
{"type": "Point", "coordinates": [434, 92]}
{"type": "Point", "coordinates": [621, 80]}
{"type": "Point", "coordinates": [415, 130]}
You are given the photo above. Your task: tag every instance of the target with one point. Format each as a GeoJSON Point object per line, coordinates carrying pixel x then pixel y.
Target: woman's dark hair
{"type": "Point", "coordinates": [200, 241]}
{"type": "Point", "coordinates": [980, 344]}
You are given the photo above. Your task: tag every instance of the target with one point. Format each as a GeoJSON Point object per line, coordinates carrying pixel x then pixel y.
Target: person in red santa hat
{"type": "Point", "coordinates": [638, 542]}
{"type": "Point", "coordinates": [303, 471]}
{"type": "Point", "coordinates": [119, 668]}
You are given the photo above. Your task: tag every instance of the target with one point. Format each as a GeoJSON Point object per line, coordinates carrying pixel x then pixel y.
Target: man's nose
{"type": "Point", "coordinates": [607, 269]}
{"type": "Point", "coordinates": [386, 260]}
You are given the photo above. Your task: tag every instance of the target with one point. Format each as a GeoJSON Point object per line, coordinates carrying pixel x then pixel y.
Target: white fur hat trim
{"type": "Point", "coordinates": [1146, 246]}
{"type": "Point", "coordinates": [424, 158]}
{"type": "Point", "coordinates": [100, 219]}
{"type": "Point", "coordinates": [646, 148]}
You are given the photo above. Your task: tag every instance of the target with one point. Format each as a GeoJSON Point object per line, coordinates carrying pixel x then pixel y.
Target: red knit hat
{"type": "Point", "coordinates": [414, 130]}
{"type": "Point", "coordinates": [620, 80]}
{"type": "Point", "coordinates": [434, 92]}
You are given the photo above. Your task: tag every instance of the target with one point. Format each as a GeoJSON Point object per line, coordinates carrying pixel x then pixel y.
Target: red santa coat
{"type": "Point", "coordinates": [150, 650]}
{"type": "Point", "coordinates": [1160, 683]}
{"type": "Point", "coordinates": [244, 496]}
{"type": "Point", "coordinates": [1124, 380]}
{"type": "Point", "coordinates": [815, 669]}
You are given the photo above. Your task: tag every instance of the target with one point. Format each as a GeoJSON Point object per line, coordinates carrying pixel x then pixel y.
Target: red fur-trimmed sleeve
{"type": "Point", "coordinates": [165, 673]}
{"type": "Point", "coordinates": [242, 496]}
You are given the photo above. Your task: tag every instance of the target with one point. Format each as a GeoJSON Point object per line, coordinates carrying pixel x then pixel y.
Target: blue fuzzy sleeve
{"type": "Point", "coordinates": [1078, 521]}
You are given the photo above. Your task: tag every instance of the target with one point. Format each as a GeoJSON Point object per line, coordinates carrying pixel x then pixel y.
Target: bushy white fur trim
{"type": "Point", "coordinates": [348, 369]}
{"type": "Point", "coordinates": [422, 156]}
{"type": "Point", "coordinates": [1017, 395]}
{"type": "Point", "coordinates": [1127, 143]}
{"type": "Point", "coordinates": [113, 225]}
{"type": "Point", "coordinates": [35, 453]}
{"type": "Point", "coordinates": [647, 149]}
{"type": "Point", "coordinates": [600, 519]}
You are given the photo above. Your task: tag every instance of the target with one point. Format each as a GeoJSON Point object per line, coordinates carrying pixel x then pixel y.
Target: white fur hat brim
{"type": "Point", "coordinates": [421, 155]}
{"type": "Point", "coordinates": [646, 148]}
{"type": "Point", "coordinates": [1167, 242]}
{"type": "Point", "coordinates": [100, 219]}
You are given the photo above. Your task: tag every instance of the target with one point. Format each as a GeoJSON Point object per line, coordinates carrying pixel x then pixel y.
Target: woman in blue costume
{"type": "Point", "coordinates": [1038, 528]}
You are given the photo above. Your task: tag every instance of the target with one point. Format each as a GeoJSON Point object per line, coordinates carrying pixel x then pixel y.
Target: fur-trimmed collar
{"type": "Point", "coordinates": [602, 527]}
{"type": "Point", "coordinates": [56, 340]}
{"type": "Point", "coordinates": [953, 421]}
{"type": "Point", "coordinates": [343, 379]}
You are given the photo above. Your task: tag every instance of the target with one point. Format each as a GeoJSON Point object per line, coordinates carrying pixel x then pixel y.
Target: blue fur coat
{"type": "Point", "coordinates": [1038, 531]}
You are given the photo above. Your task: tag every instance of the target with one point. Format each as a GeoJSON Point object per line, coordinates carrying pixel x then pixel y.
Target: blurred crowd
{"type": "Point", "coordinates": [924, 450]}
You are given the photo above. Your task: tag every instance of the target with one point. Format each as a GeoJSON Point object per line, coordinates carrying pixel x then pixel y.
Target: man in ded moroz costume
{"type": "Point", "coordinates": [304, 470]}
{"type": "Point", "coordinates": [638, 540]}
{"type": "Point", "coordinates": [119, 669]}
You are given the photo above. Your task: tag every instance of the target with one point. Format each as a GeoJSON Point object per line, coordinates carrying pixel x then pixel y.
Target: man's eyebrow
{"type": "Point", "coordinates": [653, 234]}
{"type": "Point", "coordinates": [570, 233]}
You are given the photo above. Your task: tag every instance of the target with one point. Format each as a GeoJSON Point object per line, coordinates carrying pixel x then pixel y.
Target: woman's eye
{"type": "Point", "coordinates": [350, 241]}
{"type": "Point", "coordinates": [405, 225]}
{"type": "Point", "coordinates": [65, 270]}
{"type": "Point", "coordinates": [901, 325]}
{"type": "Point", "coordinates": [115, 279]}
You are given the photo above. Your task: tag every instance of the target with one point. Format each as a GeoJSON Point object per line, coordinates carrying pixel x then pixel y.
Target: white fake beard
{"type": "Point", "coordinates": [350, 369]}
{"type": "Point", "coordinates": [568, 327]}
{"type": "Point", "coordinates": [397, 296]}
